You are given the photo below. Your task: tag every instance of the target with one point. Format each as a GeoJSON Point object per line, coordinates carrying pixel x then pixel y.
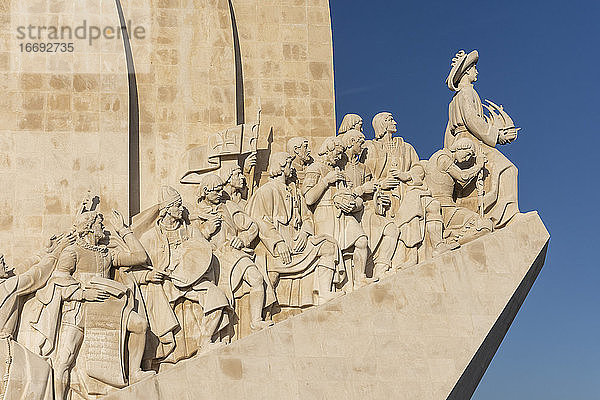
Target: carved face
{"type": "Point", "coordinates": [335, 155]}
{"type": "Point", "coordinates": [471, 74]}
{"type": "Point", "coordinates": [390, 124]}
{"type": "Point", "coordinates": [237, 180]}
{"type": "Point", "coordinates": [358, 146]}
{"type": "Point", "coordinates": [98, 228]}
{"type": "Point", "coordinates": [303, 152]}
{"type": "Point", "coordinates": [358, 126]}
{"type": "Point", "coordinates": [176, 210]}
{"type": "Point", "coordinates": [463, 156]}
{"type": "Point", "coordinates": [215, 195]}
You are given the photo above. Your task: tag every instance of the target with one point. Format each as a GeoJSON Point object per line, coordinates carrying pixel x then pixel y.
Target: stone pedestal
{"type": "Point", "coordinates": [428, 332]}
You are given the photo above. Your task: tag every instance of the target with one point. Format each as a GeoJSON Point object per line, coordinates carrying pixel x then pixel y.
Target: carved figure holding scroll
{"type": "Point", "coordinates": [302, 266]}
{"type": "Point", "coordinates": [467, 119]}
{"type": "Point", "coordinates": [118, 319]}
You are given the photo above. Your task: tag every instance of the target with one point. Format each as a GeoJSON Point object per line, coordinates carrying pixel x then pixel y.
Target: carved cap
{"type": "Point", "coordinates": [168, 197]}
{"type": "Point", "coordinates": [460, 64]}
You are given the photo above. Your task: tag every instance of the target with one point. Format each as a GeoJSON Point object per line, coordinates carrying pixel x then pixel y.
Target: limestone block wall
{"type": "Point", "coordinates": [186, 83]}
{"type": "Point", "coordinates": [209, 65]}
{"type": "Point", "coordinates": [63, 122]}
{"type": "Point", "coordinates": [287, 62]}
{"type": "Point", "coordinates": [427, 332]}
{"type": "Point", "coordinates": [201, 66]}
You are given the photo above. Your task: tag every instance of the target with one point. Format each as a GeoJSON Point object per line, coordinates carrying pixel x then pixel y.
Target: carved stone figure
{"type": "Point", "coordinates": [466, 119]}
{"type": "Point", "coordinates": [351, 121]}
{"type": "Point", "coordinates": [25, 375]}
{"type": "Point", "coordinates": [181, 272]}
{"type": "Point", "coordinates": [447, 169]}
{"type": "Point", "coordinates": [231, 232]}
{"type": "Point", "coordinates": [299, 148]}
{"type": "Point", "coordinates": [302, 267]}
{"type": "Point", "coordinates": [360, 178]}
{"type": "Point", "coordinates": [98, 323]}
{"type": "Point", "coordinates": [396, 169]}
{"type": "Point", "coordinates": [234, 184]}
{"type": "Point", "coordinates": [335, 205]}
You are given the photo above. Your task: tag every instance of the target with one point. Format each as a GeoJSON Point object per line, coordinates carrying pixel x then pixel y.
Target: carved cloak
{"type": "Point", "coordinates": [281, 214]}
{"type": "Point", "coordinates": [465, 119]}
{"type": "Point", "coordinates": [29, 376]}
{"type": "Point", "coordinates": [408, 201]}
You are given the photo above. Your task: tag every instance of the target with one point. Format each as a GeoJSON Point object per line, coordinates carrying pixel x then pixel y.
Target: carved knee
{"type": "Point", "coordinates": [434, 208]}
{"type": "Point", "coordinates": [253, 277]}
{"type": "Point", "coordinates": [391, 231]}
{"type": "Point", "coordinates": [328, 249]}
{"type": "Point", "coordinates": [361, 243]}
{"type": "Point", "coordinates": [136, 323]}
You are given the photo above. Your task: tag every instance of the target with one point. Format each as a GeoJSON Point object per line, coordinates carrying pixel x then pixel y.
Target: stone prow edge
{"type": "Point", "coordinates": [467, 383]}
{"type": "Point", "coordinates": [469, 380]}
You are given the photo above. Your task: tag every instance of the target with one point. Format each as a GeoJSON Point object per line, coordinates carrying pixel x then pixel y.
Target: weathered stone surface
{"type": "Point", "coordinates": [201, 67]}
{"type": "Point", "coordinates": [426, 332]}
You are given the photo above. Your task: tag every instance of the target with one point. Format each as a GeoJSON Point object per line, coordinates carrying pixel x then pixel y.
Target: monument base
{"type": "Point", "coordinates": [427, 332]}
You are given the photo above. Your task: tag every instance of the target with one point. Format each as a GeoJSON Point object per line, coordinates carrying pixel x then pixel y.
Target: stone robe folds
{"type": "Point", "coordinates": [233, 263]}
{"type": "Point", "coordinates": [465, 119]}
{"type": "Point", "coordinates": [408, 200]}
{"type": "Point", "coordinates": [330, 220]}
{"type": "Point", "coordinates": [175, 307]}
{"type": "Point", "coordinates": [59, 304]}
{"type": "Point", "coordinates": [281, 214]}
{"type": "Point", "coordinates": [29, 376]}
{"type": "Point", "coordinates": [373, 224]}
{"type": "Point", "coordinates": [460, 223]}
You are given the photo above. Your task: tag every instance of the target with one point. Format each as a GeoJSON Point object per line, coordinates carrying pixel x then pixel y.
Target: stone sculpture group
{"type": "Point", "coordinates": [100, 309]}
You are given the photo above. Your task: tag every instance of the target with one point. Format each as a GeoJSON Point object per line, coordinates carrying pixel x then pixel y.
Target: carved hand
{"type": "Point", "coordinates": [117, 220]}
{"type": "Point", "coordinates": [236, 243]}
{"type": "Point", "coordinates": [155, 276]}
{"type": "Point", "coordinates": [401, 175]}
{"type": "Point", "coordinates": [283, 251]}
{"type": "Point", "coordinates": [213, 224]}
{"type": "Point", "coordinates": [56, 244]}
{"type": "Point", "coordinates": [249, 162]}
{"type": "Point", "coordinates": [368, 187]}
{"type": "Point", "coordinates": [334, 176]}
{"type": "Point", "coordinates": [95, 295]}
{"type": "Point", "coordinates": [347, 207]}
{"type": "Point", "coordinates": [389, 183]}
{"type": "Point", "coordinates": [301, 241]}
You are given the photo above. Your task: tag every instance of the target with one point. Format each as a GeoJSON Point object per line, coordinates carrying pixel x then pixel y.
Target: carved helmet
{"type": "Point", "coordinates": [168, 197]}
{"type": "Point", "coordinates": [460, 64]}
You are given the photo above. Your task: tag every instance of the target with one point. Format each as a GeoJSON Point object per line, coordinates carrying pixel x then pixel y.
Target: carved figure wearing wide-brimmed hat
{"type": "Point", "coordinates": [466, 118]}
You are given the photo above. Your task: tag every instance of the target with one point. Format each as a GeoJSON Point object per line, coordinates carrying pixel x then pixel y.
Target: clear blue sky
{"type": "Point", "coordinates": [541, 60]}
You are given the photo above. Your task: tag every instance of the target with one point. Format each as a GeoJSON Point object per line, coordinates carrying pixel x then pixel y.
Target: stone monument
{"type": "Point", "coordinates": [261, 254]}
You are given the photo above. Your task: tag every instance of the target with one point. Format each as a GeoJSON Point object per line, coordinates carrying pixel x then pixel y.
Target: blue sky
{"type": "Point", "coordinates": [541, 61]}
